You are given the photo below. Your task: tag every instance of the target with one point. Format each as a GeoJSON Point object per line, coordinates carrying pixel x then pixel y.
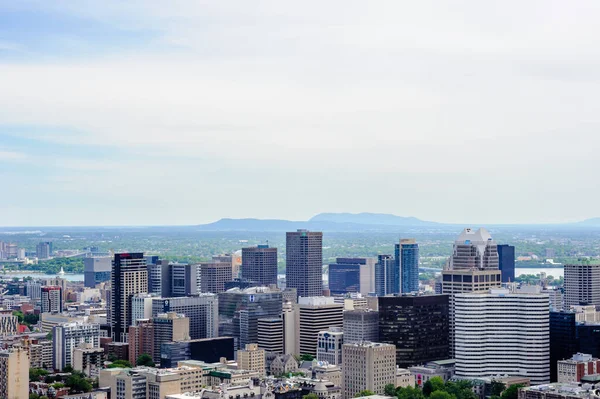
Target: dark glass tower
{"type": "Point", "coordinates": [563, 339]}
{"type": "Point", "coordinates": [506, 263]}
{"type": "Point", "coordinates": [304, 262]}
{"type": "Point", "coordinates": [384, 275]}
{"type": "Point", "coordinates": [344, 275]}
{"type": "Point", "coordinates": [407, 264]}
{"type": "Point", "coordinates": [417, 325]}
{"type": "Point", "coordinates": [260, 264]}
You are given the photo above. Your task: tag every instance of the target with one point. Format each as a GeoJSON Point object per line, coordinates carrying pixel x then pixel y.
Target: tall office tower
{"type": "Point", "coordinates": [214, 276]}
{"type": "Point", "coordinates": [317, 314]}
{"type": "Point", "coordinates": [368, 366]}
{"type": "Point", "coordinates": [506, 262]}
{"type": "Point", "coordinates": [141, 307]}
{"type": "Point", "coordinates": [51, 299]}
{"type": "Point", "coordinates": [407, 262]}
{"type": "Point", "coordinates": [512, 326]}
{"type": "Point", "coordinates": [270, 334]}
{"type": "Point", "coordinates": [234, 259]}
{"type": "Point", "coordinates": [184, 279]}
{"type": "Point", "coordinates": [14, 374]}
{"type": "Point", "coordinates": [96, 270]}
{"type": "Point", "coordinates": [361, 325]}
{"type": "Point", "coordinates": [329, 345]}
{"type": "Point", "coordinates": [472, 267]}
{"type": "Point", "coordinates": [582, 285]}
{"type": "Point", "coordinates": [239, 311]}
{"type": "Point", "coordinates": [251, 358]}
{"type": "Point", "coordinates": [169, 327]}
{"type": "Point", "coordinates": [386, 276]}
{"type": "Point", "coordinates": [43, 250]}
{"type": "Point", "coordinates": [129, 277]}
{"type": "Point", "coordinates": [474, 250]}
{"type": "Point", "coordinates": [304, 262]}
{"type": "Point", "coordinates": [158, 275]}
{"type": "Point", "coordinates": [202, 310]}
{"type": "Point", "coordinates": [260, 264]}
{"type": "Point", "coordinates": [417, 326]}
{"type": "Point", "coordinates": [34, 290]}
{"type": "Point", "coordinates": [66, 337]}
{"type": "Point", "coordinates": [141, 340]}
{"type": "Point", "coordinates": [352, 275]}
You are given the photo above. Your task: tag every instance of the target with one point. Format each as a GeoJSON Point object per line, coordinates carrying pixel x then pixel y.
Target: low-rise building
{"type": "Point", "coordinates": [439, 368]}
{"type": "Point", "coordinates": [580, 365]}
{"type": "Point", "coordinates": [558, 391]}
{"type": "Point", "coordinates": [404, 378]}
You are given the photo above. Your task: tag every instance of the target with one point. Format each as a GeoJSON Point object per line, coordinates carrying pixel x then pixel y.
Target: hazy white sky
{"type": "Point", "coordinates": [183, 112]}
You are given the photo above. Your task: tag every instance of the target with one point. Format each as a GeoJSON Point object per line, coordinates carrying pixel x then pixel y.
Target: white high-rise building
{"type": "Point", "coordinates": [502, 332]}
{"type": "Point", "coordinates": [66, 337]}
{"type": "Point", "coordinates": [473, 266]}
{"type": "Point", "coordinates": [329, 345]}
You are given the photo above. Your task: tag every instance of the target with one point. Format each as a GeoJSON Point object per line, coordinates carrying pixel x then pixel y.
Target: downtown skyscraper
{"type": "Point", "coordinates": [129, 276]}
{"type": "Point", "coordinates": [304, 262]}
{"type": "Point", "coordinates": [407, 262]}
{"type": "Point", "coordinates": [259, 264]}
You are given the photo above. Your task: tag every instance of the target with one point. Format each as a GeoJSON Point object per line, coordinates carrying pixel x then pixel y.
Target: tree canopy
{"type": "Point", "coordinates": [145, 360]}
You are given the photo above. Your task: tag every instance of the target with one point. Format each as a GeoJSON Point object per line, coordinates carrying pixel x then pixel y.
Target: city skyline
{"type": "Point", "coordinates": [195, 98]}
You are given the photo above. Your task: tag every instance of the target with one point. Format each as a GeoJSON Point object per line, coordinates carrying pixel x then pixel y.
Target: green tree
{"type": "Point", "coordinates": [67, 369]}
{"type": "Point", "coordinates": [35, 374]}
{"type": "Point", "coordinates": [390, 390]}
{"type": "Point", "coordinates": [19, 315]}
{"type": "Point", "coordinates": [78, 384]}
{"type": "Point", "coordinates": [409, 393]}
{"type": "Point", "coordinates": [433, 384]}
{"type": "Point", "coordinates": [145, 360]}
{"type": "Point", "coordinates": [496, 388]}
{"type": "Point", "coordinates": [366, 392]}
{"type": "Point", "coordinates": [305, 357]}
{"type": "Point", "coordinates": [512, 392]}
{"type": "Point", "coordinates": [34, 396]}
{"type": "Point", "coordinates": [310, 396]}
{"type": "Point", "coordinates": [461, 389]}
{"type": "Point", "coordinates": [441, 395]}
{"type": "Point", "coordinates": [120, 364]}
{"type": "Point", "coordinates": [31, 318]}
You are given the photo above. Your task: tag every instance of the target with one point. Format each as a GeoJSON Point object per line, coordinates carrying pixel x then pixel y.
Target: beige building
{"type": "Point", "coordinates": [326, 371]}
{"type": "Point", "coordinates": [169, 327]}
{"type": "Point", "coordinates": [88, 359]}
{"type": "Point", "coordinates": [14, 374]}
{"type": "Point", "coordinates": [252, 358]}
{"type": "Point", "coordinates": [317, 314]}
{"type": "Point", "coordinates": [404, 378]}
{"type": "Point", "coordinates": [368, 366]}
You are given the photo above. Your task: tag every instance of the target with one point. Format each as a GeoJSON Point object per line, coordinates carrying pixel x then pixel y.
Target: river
{"type": "Point", "coordinates": [38, 275]}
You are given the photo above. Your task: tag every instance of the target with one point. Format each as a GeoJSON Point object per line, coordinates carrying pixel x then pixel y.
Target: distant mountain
{"type": "Point", "coordinates": [370, 219]}
{"type": "Point", "coordinates": [339, 222]}
{"type": "Point", "coordinates": [590, 222]}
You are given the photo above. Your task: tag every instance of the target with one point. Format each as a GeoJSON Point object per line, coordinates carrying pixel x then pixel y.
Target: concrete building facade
{"type": "Point", "coordinates": [304, 262]}
{"type": "Point", "coordinates": [368, 366]}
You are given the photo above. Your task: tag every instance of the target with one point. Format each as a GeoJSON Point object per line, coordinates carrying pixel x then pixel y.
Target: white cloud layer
{"type": "Point", "coordinates": [451, 111]}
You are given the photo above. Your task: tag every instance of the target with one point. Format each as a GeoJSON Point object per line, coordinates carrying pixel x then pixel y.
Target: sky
{"type": "Point", "coordinates": [185, 112]}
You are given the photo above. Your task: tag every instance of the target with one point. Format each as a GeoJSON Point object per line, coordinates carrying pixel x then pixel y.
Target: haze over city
{"type": "Point", "coordinates": [150, 113]}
